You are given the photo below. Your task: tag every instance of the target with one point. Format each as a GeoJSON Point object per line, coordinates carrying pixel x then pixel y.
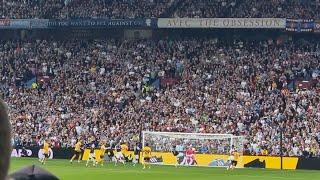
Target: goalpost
{"type": "Point", "coordinates": [211, 150]}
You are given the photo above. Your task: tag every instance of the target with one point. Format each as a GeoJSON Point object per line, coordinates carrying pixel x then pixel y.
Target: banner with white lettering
{"type": "Point", "coordinates": [14, 23]}
{"type": "Point", "coordinates": [102, 23]}
{"type": "Point", "coordinates": [266, 23]}
{"type": "Point", "coordinates": [300, 25]}
{"type": "Point", "coordinates": [76, 23]}
{"type": "Point", "coordinates": [37, 152]}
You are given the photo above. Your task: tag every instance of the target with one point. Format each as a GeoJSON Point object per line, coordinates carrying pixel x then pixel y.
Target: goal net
{"type": "Point", "coordinates": [173, 148]}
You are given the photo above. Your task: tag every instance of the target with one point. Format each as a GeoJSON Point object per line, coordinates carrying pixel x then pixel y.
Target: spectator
{"type": "Point", "coordinates": [5, 145]}
{"type": "Point", "coordinates": [122, 9]}
{"type": "Point", "coordinates": [61, 9]}
{"type": "Point", "coordinates": [107, 89]}
{"type": "Point", "coordinates": [248, 9]}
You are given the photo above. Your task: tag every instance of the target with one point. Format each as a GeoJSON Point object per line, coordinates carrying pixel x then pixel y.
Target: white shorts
{"type": "Point", "coordinates": [114, 159]}
{"type": "Point", "coordinates": [92, 156]}
{"type": "Point", "coordinates": [231, 158]}
{"type": "Point", "coordinates": [137, 156]}
{"type": "Point", "coordinates": [180, 155]}
{"type": "Point", "coordinates": [119, 155]}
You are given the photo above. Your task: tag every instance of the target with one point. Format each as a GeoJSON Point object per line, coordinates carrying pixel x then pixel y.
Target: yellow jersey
{"type": "Point", "coordinates": [236, 156]}
{"type": "Point", "coordinates": [124, 149]}
{"type": "Point", "coordinates": [146, 152]}
{"type": "Point", "coordinates": [103, 150]}
{"type": "Point", "coordinates": [46, 148]}
{"type": "Point", "coordinates": [77, 147]}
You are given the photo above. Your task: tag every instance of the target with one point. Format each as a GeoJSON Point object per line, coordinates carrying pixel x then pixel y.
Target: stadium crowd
{"type": "Point", "coordinates": [109, 89]}
{"type": "Point", "coordinates": [249, 9]}
{"type": "Point", "coordinates": [158, 8]}
{"type": "Point", "coordinates": [20, 9]}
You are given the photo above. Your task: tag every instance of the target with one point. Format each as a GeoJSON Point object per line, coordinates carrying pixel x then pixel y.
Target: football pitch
{"type": "Point", "coordinates": [76, 171]}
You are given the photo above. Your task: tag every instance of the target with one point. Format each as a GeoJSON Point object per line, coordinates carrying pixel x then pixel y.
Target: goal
{"type": "Point", "coordinates": [209, 149]}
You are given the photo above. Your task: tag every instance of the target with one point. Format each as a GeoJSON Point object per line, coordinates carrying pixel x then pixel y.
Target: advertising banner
{"type": "Point", "coordinates": [300, 25]}
{"type": "Point", "coordinates": [206, 160]}
{"type": "Point", "coordinates": [14, 23]}
{"type": "Point", "coordinates": [265, 23]}
{"type": "Point", "coordinates": [39, 23]}
{"type": "Point", "coordinates": [19, 23]}
{"type": "Point", "coordinates": [37, 152]}
{"type": "Point", "coordinates": [129, 157]}
{"type": "Point", "coordinates": [269, 162]}
{"type": "Point", "coordinates": [4, 23]}
{"type": "Point", "coordinates": [25, 152]}
{"type": "Point", "coordinates": [76, 23]}
{"type": "Point", "coordinates": [166, 158]}
{"type": "Point", "coordinates": [215, 160]}
{"type": "Point", "coordinates": [102, 23]}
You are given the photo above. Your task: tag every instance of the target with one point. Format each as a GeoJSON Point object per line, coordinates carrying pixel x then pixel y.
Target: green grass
{"type": "Point", "coordinates": [65, 171]}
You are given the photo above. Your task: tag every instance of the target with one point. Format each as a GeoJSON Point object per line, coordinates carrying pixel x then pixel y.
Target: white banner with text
{"type": "Point", "coordinates": [266, 23]}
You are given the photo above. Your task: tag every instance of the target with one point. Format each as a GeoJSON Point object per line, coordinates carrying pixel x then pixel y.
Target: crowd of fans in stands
{"type": "Point", "coordinates": [158, 8]}
{"type": "Point", "coordinates": [109, 89]}
{"type": "Point", "coordinates": [114, 9]}
{"type": "Point", "coordinates": [249, 9]}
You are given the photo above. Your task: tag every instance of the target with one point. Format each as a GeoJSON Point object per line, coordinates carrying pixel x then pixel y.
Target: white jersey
{"type": "Point", "coordinates": [231, 157]}
{"type": "Point", "coordinates": [92, 150]}
{"type": "Point", "coordinates": [119, 155]}
{"type": "Point", "coordinates": [231, 152]}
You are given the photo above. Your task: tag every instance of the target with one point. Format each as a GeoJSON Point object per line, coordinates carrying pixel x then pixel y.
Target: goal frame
{"type": "Point", "coordinates": [199, 134]}
{"type": "Point", "coordinates": [203, 136]}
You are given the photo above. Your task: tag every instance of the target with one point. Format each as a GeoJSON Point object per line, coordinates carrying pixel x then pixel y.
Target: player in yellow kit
{"type": "Point", "coordinates": [103, 152]}
{"type": "Point", "coordinates": [124, 149]}
{"type": "Point", "coordinates": [45, 152]}
{"type": "Point", "coordinates": [146, 154]}
{"type": "Point", "coordinates": [77, 151]}
{"type": "Point", "coordinates": [234, 156]}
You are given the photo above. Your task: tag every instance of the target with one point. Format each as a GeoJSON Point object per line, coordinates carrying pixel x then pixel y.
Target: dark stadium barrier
{"type": "Point", "coordinates": [309, 163]}
{"type": "Point", "coordinates": [36, 152]}
{"type": "Point", "coordinates": [62, 153]}
{"type": "Point", "coordinates": [275, 162]}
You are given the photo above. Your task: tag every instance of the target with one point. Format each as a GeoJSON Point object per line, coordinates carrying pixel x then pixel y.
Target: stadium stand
{"type": "Point", "coordinates": [113, 89]}
{"type": "Point", "coordinates": [249, 9]}
{"type": "Point", "coordinates": [158, 8]}
{"type": "Point", "coordinates": [63, 9]}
